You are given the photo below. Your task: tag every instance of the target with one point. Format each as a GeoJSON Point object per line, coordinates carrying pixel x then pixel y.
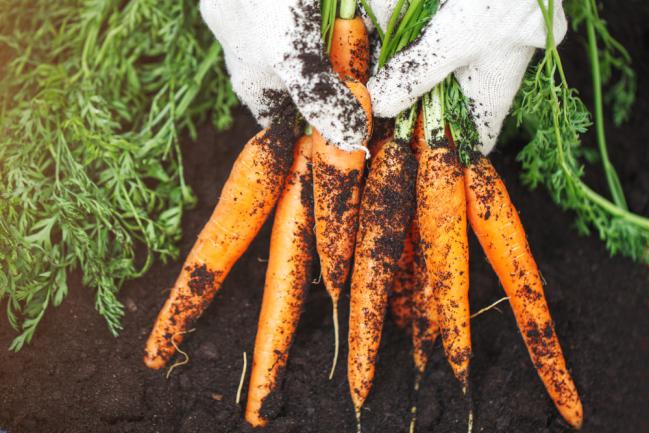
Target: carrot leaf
{"type": "Point", "coordinates": [94, 96]}
{"type": "Point", "coordinates": [552, 158]}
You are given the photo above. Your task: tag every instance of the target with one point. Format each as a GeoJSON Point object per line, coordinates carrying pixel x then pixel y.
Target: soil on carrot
{"type": "Point", "coordinates": [75, 377]}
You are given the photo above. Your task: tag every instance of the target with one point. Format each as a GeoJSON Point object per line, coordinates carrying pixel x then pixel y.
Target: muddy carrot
{"type": "Point", "coordinates": [441, 213]}
{"type": "Point", "coordinates": [386, 211]}
{"type": "Point", "coordinates": [404, 282]}
{"type": "Point", "coordinates": [350, 50]}
{"type": "Point", "coordinates": [496, 223]}
{"type": "Point", "coordinates": [409, 276]}
{"type": "Point", "coordinates": [337, 173]}
{"type": "Point", "coordinates": [288, 277]}
{"type": "Point", "coordinates": [425, 320]}
{"type": "Point", "coordinates": [247, 199]}
{"type": "Point", "coordinates": [337, 178]}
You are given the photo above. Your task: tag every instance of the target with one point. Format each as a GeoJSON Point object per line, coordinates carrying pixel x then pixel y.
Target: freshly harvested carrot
{"type": "Point", "coordinates": [386, 211]}
{"type": "Point", "coordinates": [288, 277]}
{"type": "Point", "coordinates": [247, 199]}
{"type": "Point", "coordinates": [496, 223]}
{"type": "Point", "coordinates": [337, 178]}
{"type": "Point", "coordinates": [407, 278]}
{"type": "Point", "coordinates": [337, 174]}
{"type": "Point", "coordinates": [425, 319]}
{"type": "Point", "coordinates": [424, 308]}
{"type": "Point", "coordinates": [405, 281]}
{"type": "Point", "coordinates": [441, 213]}
{"type": "Point", "coordinates": [350, 49]}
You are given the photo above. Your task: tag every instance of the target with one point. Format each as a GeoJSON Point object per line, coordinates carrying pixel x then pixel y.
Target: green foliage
{"type": "Point", "coordinates": [614, 60]}
{"type": "Point", "coordinates": [552, 158]}
{"type": "Point", "coordinates": [402, 31]}
{"type": "Point", "coordinates": [93, 97]}
{"type": "Point", "coordinates": [459, 117]}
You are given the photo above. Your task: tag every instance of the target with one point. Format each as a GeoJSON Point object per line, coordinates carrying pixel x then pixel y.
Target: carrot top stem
{"type": "Point", "coordinates": [384, 54]}
{"type": "Point", "coordinates": [347, 9]}
{"type": "Point", "coordinates": [404, 124]}
{"type": "Point", "coordinates": [400, 33]}
{"type": "Point", "coordinates": [434, 122]}
{"type": "Point", "coordinates": [329, 11]}
{"type": "Point", "coordinates": [372, 17]}
{"type": "Point", "coordinates": [336, 339]}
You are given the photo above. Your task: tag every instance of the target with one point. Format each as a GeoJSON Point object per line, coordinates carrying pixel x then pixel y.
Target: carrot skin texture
{"type": "Point", "coordinates": [386, 211]}
{"type": "Point", "coordinates": [337, 178]}
{"type": "Point", "coordinates": [425, 318]}
{"type": "Point", "coordinates": [247, 199]}
{"type": "Point", "coordinates": [441, 213]}
{"type": "Point", "coordinates": [496, 223]}
{"type": "Point", "coordinates": [350, 49]}
{"type": "Point", "coordinates": [337, 174]}
{"type": "Point", "coordinates": [401, 307]}
{"type": "Point", "coordinates": [288, 278]}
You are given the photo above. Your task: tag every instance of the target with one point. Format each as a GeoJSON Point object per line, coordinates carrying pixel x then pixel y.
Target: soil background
{"type": "Point", "coordinates": [75, 377]}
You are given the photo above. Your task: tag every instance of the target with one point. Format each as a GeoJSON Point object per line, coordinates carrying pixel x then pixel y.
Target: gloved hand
{"type": "Point", "coordinates": [486, 43]}
{"type": "Point", "coordinates": [273, 49]}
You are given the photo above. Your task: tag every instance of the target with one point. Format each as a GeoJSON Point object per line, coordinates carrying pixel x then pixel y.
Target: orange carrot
{"type": "Point", "coordinates": [495, 221]}
{"type": "Point", "coordinates": [407, 278]}
{"type": "Point", "coordinates": [337, 174]}
{"type": "Point", "coordinates": [247, 198]}
{"type": "Point", "coordinates": [441, 213]}
{"type": "Point", "coordinates": [386, 211]}
{"type": "Point", "coordinates": [337, 178]}
{"type": "Point", "coordinates": [350, 49]}
{"type": "Point", "coordinates": [425, 319]}
{"type": "Point", "coordinates": [404, 282]}
{"type": "Point", "coordinates": [287, 280]}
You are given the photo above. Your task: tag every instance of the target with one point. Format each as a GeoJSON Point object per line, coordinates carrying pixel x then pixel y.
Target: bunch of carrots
{"type": "Point", "coordinates": [403, 226]}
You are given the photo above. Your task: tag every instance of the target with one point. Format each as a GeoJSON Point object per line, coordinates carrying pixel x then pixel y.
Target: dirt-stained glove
{"type": "Point", "coordinates": [486, 43]}
{"type": "Point", "coordinates": [274, 49]}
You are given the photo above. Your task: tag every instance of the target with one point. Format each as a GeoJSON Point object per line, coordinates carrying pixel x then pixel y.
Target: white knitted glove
{"type": "Point", "coordinates": [486, 43]}
{"type": "Point", "coordinates": [274, 49]}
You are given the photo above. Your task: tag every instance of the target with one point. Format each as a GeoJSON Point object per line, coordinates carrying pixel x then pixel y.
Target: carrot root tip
{"type": "Point", "coordinates": [243, 378]}
{"type": "Point", "coordinates": [413, 408]}
{"type": "Point", "coordinates": [358, 420]}
{"type": "Point", "coordinates": [179, 350]}
{"type": "Point", "coordinates": [413, 419]}
{"type": "Point", "coordinates": [470, 422]}
{"type": "Point", "coordinates": [467, 393]}
{"type": "Point", "coordinates": [336, 339]}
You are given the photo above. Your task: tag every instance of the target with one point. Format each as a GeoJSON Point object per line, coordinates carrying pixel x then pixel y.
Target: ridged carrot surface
{"type": "Point", "coordinates": [350, 49]}
{"type": "Point", "coordinates": [496, 223]}
{"type": "Point", "coordinates": [386, 211]}
{"type": "Point", "coordinates": [405, 281]}
{"type": "Point", "coordinates": [247, 199]}
{"type": "Point", "coordinates": [288, 278]}
{"type": "Point", "coordinates": [441, 214]}
{"type": "Point", "coordinates": [337, 174]}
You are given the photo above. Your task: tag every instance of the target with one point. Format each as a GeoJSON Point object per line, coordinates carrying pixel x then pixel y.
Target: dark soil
{"type": "Point", "coordinates": [75, 377]}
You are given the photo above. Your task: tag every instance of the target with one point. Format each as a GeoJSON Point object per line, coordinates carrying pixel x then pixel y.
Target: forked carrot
{"type": "Point", "coordinates": [386, 211]}
{"type": "Point", "coordinates": [441, 213]}
{"type": "Point", "coordinates": [288, 277]}
{"type": "Point", "coordinates": [496, 223]}
{"type": "Point", "coordinates": [247, 199]}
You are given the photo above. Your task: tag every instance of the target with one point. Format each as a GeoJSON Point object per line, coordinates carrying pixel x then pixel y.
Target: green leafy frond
{"type": "Point", "coordinates": [552, 158]}
{"type": "Point", "coordinates": [93, 97]}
